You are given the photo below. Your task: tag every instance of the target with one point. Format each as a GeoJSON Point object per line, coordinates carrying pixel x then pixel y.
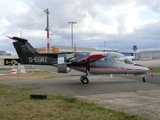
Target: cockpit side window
{"type": "Point", "coordinates": [115, 57]}
{"type": "Point", "coordinates": [128, 61]}
{"type": "Point", "coordinates": [119, 58]}
{"type": "Point", "coordinates": [105, 58]}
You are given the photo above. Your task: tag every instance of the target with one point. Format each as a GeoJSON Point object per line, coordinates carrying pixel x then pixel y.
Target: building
{"type": "Point", "coordinates": [130, 53]}
{"type": "Point", "coordinates": [108, 50]}
{"type": "Point", "coordinates": [58, 49]}
{"type": "Point", "coordinates": [8, 59]}
{"type": "Point", "coordinates": [144, 55]}
{"type": "Point", "coordinates": [43, 50]}
{"type": "Point", "coordinates": [4, 53]}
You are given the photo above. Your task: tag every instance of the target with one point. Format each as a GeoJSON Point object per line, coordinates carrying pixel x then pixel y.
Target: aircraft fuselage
{"type": "Point", "coordinates": [113, 63]}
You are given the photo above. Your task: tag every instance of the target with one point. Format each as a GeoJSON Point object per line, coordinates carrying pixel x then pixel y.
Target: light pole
{"type": "Point", "coordinates": [47, 29]}
{"type": "Point", "coordinates": [104, 46]}
{"type": "Point", "coordinates": [21, 34]}
{"type": "Point", "coordinates": [72, 32]}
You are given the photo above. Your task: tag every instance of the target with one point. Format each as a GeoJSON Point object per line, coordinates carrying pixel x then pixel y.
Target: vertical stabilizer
{"type": "Point", "coordinates": [24, 49]}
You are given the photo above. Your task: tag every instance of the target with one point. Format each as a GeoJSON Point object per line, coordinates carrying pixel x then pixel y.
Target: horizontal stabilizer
{"type": "Point", "coordinates": [18, 39]}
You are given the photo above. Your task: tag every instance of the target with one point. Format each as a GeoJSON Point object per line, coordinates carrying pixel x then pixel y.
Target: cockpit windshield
{"type": "Point", "coordinates": [117, 57]}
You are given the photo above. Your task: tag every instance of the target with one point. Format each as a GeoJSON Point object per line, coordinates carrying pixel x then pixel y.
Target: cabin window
{"type": "Point", "coordinates": [115, 57]}
{"type": "Point", "coordinates": [119, 58]}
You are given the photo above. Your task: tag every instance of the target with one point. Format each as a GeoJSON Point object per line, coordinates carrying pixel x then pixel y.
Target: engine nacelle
{"type": "Point", "coordinates": [62, 67]}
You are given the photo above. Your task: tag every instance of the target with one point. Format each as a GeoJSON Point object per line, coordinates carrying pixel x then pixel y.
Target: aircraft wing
{"type": "Point", "coordinates": [90, 58]}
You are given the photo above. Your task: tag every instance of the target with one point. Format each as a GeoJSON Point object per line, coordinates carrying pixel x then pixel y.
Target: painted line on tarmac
{"type": "Point", "coordinates": [2, 74]}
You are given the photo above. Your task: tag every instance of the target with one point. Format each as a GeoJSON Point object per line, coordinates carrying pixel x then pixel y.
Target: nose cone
{"type": "Point", "coordinates": [146, 69]}
{"type": "Point", "coordinates": [142, 68]}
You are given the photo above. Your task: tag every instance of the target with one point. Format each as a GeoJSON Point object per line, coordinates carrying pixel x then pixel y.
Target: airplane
{"type": "Point", "coordinates": [87, 62]}
{"type": "Point", "coordinates": [147, 58]}
{"type": "Point", "coordinates": [130, 57]}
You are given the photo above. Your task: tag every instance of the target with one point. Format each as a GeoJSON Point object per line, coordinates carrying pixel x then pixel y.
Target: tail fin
{"type": "Point", "coordinates": [24, 49]}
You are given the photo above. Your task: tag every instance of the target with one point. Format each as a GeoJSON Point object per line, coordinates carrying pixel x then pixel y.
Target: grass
{"type": "Point", "coordinates": [15, 104]}
{"type": "Point", "coordinates": [155, 69]}
{"type": "Point", "coordinates": [5, 68]}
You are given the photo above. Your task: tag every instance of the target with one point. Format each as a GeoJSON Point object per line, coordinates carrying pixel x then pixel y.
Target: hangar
{"type": "Point", "coordinates": [144, 55]}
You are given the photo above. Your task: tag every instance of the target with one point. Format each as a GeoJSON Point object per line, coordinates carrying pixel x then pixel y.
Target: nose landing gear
{"type": "Point", "coordinates": [144, 79]}
{"type": "Point", "coordinates": [85, 79]}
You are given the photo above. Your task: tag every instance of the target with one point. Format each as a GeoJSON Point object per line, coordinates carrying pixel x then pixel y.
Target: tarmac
{"type": "Point", "coordinates": [119, 93]}
{"type": "Point", "coordinates": [149, 63]}
{"type": "Point", "coordinates": [124, 93]}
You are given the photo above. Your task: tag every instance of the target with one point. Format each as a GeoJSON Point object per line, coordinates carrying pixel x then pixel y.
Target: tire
{"type": "Point", "coordinates": [85, 80]}
{"type": "Point", "coordinates": [38, 96]}
{"type": "Point", "coordinates": [81, 78]}
{"type": "Point", "coordinates": [144, 79]}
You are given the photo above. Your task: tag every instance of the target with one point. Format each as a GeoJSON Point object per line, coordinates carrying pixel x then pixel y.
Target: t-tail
{"type": "Point", "coordinates": [28, 55]}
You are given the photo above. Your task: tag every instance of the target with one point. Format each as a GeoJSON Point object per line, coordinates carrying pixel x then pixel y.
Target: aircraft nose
{"type": "Point", "coordinates": [145, 69]}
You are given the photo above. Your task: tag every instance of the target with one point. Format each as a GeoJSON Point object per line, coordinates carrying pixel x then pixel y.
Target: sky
{"type": "Point", "coordinates": [117, 25]}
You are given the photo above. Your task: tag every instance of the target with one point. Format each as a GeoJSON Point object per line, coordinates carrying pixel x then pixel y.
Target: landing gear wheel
{"type": "Point", "coordinates": [81, 78]}
{"type": "Point", "coordinates": [85, 80]}
{"type": "Point", "coordinates": [144, 79]}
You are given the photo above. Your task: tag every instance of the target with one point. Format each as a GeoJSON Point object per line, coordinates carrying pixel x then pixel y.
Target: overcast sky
{"type": "Point", "coordinates": [122, 24]}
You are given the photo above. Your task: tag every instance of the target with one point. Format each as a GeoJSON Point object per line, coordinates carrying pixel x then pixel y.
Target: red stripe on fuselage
{"type": "Point", "coordinates": [129, 69]}
{"type": "Point", "coordinates": [103, 68]}
{"type": "Point", "coordinates": [138, 69]}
